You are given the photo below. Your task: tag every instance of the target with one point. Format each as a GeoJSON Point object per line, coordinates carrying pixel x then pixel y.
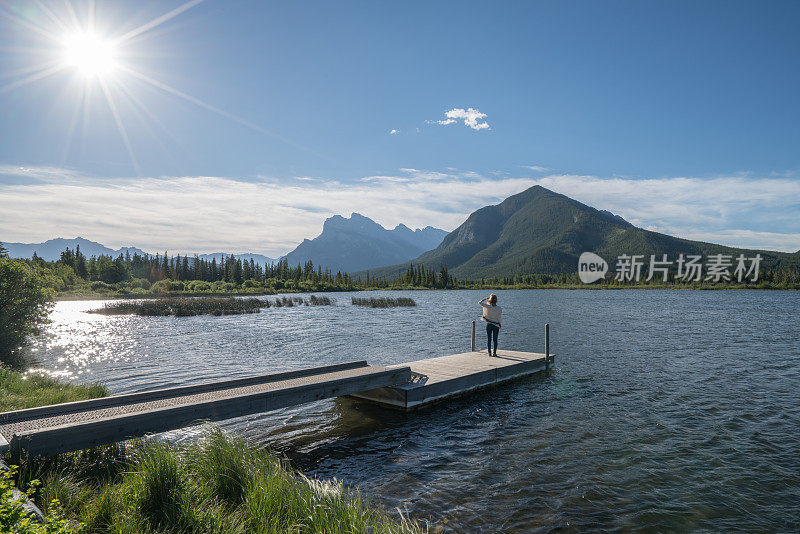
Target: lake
{"type": "Point", "coordinates": [666, 410]}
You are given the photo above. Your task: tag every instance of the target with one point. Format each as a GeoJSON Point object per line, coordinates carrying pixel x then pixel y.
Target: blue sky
{"type": "Point", "coordinates": [681, 116]}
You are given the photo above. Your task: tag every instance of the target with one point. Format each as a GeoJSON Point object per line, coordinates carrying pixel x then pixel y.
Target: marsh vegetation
{"type": "Point", "coordinates": [383, 302]}
{"type": "Point", "coordinates": [185, 307]}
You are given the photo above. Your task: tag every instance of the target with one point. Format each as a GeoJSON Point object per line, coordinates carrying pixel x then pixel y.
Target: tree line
{"type": "Point", "coordinates": [145, 270]}
{"type": "Point", "coordinates": [157, 267]}
{"type": "Point", "coordinates": [157, 273]}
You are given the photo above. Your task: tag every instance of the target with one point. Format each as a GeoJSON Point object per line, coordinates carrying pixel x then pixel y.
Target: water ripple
{"type": "Point", "coordinates": [667, 410]}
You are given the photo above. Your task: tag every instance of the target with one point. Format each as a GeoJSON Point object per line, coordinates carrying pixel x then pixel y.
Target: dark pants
{"type": "Point", "coordinates": [492, 331]}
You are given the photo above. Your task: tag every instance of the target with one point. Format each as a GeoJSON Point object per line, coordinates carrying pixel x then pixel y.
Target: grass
{"type": "Point", "coordinates": [185, 307]}
{"type": "Point", "coordinates": [221, 484]}
{"type": "Point", "coordinates": [313, 300]}
{"type": "Point", "coordinates": [19, 391]}
{"type": "Point", "coordinates": [383, 302]}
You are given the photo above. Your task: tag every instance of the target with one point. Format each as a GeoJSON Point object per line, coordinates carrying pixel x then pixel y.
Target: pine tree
{"type": "Point", "coordinates": [165, 265]}
{"type": "Point", "coordinates": [80, 263]}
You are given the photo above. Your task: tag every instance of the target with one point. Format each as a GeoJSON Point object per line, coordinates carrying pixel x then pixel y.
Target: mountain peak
{"type": "Point", "coordinates": [539, 231]}
{"type": "Point", "coordinates": [51, 249]}
{"type": "Point", "coordinates": [358, 242]}
{"type": "Point", "coordinates": [355, 223]}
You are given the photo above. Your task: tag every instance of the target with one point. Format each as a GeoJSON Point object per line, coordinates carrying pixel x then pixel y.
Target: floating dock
{"type": "Point", "coordinates": [71, 426]}
{"type": "Point", "coordinates": [436, 379]}
{"type": "Point", "coordinates": [50, 430]}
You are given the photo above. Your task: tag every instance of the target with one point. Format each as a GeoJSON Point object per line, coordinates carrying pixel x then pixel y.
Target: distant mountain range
{"type": "Point", "coordinates": [540, 231]}
{"type": "Point", "coordinates": [345, 244]}
{"type": "Point", "coordinates": [259, 259]}
{"type": "Point", "coordinates": [536, 231]}
{"type": "Point", "coordinates": [358, 243]}
{"type": "Point", "coordinates": [51, 249]}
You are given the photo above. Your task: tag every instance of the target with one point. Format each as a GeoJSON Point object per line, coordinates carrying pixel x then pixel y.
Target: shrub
{"type": "Point", "coordinates": [24, 305]}
{"type": "Point", "coordinates": [101, 286]}
{"type": "Point", "coordinates": [140, 283]}
{"type": "Point", "coordinates": [197, 286]}
{"type": "Point", "coordinates": [165, 286]}
{"type": "Point", "coordinates": [14, 517]}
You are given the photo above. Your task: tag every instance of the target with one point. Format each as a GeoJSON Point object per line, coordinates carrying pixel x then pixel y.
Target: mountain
{"type": "Point", "coordinates": [540, 231]}
{"type": "Point", "coordinates": [360, 243]}
{"type": "Point", "coordinates": [51, 249]}
{"type": "Point", "coordinates": [259, 259]}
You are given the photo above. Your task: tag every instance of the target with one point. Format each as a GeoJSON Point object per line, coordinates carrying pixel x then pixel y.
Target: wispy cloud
{"type": "Point", "coordinates": [199, 213]}
{"type": "Point", "coordinates": [536, 168]}
{"type": "Point", "coordinates": [471, 117]}
{"type": "Point", "coordinates": [394, 132]}
{"type": "Point", "coordinates": [732, 210]}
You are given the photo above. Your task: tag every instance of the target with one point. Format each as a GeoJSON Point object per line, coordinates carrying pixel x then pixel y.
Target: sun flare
{"type": "Point", "coordinates": [89, 53]}
{"type": "Point", "coordinates": [75, 43]}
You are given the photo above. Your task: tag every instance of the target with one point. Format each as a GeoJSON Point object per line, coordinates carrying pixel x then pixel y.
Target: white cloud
{"type": "Point", "coordinates": [536, 168]}
{"type": "Point", "coordinates": [37, 173]}
{"type": "Point", "coordinates": [199, 214]}
{"type": "Point", "coordinates": [394, 132]}
{"type": "Point", "coordinates": [737, 211]}
{"type": "Point", "coordinates": [470, 117]}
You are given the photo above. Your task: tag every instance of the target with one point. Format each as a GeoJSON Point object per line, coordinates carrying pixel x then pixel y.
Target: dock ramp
{"type": "Point", "coordinates": [59, 428]}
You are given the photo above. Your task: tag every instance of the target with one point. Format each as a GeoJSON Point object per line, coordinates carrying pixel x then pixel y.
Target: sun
{"type": "Point", "coordinates": [89, 53]}
{"type": "Point", "coordinates": [77, 42]}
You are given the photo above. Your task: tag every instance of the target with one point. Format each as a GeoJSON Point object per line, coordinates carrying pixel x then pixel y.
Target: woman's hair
{"type": "Point", "coordinates": [492, 299]}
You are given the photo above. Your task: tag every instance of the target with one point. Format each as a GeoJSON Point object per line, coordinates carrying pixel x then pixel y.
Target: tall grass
{"type": "Point", "coordinates": [221, 484]}
{"type": "Point", "coordinates": [383, 302]}
{"type": "Point", "coordinates": [19, 391]}
{"type": "Point", "coordinates": [313, 300]}
{"type": "Point", "coordinates": [185, 307]}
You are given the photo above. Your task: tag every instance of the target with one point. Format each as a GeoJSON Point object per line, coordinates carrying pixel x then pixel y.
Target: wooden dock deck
{"type": "Point", "coordinates": [439, 378]}
{"type": "Point", "coordinates": [50, 430]}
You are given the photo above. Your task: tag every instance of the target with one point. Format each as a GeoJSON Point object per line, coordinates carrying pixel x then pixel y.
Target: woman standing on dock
{"type": "Point", "coordinates": [491, 316]}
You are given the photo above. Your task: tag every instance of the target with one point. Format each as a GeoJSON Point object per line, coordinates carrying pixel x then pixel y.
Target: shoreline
{"type": "Point", "coordinates": [79, 296]}
{"type": "Point", "coordinates": [159, 486]}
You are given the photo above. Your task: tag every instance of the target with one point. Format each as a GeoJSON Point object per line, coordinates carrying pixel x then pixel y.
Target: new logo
{"type": "Point", "coordinates": [591, 267]}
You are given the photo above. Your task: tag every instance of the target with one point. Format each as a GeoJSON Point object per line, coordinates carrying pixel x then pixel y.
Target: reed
{"type": "Point", "coordinates": [383, 302]}
{"type": "Point", "coordinates": [220, 484]}
{"type": "Point", "coordinates": [313, 300]}
{"type": "Point", "coordinates": [185, 307]}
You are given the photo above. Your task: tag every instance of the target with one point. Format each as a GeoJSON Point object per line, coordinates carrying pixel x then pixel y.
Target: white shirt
{"type": "Point", "coordinates": [491, 314]}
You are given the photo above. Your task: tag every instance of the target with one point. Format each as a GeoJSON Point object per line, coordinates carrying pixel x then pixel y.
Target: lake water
{"type": "Point", "coordinates": [666, 410]}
